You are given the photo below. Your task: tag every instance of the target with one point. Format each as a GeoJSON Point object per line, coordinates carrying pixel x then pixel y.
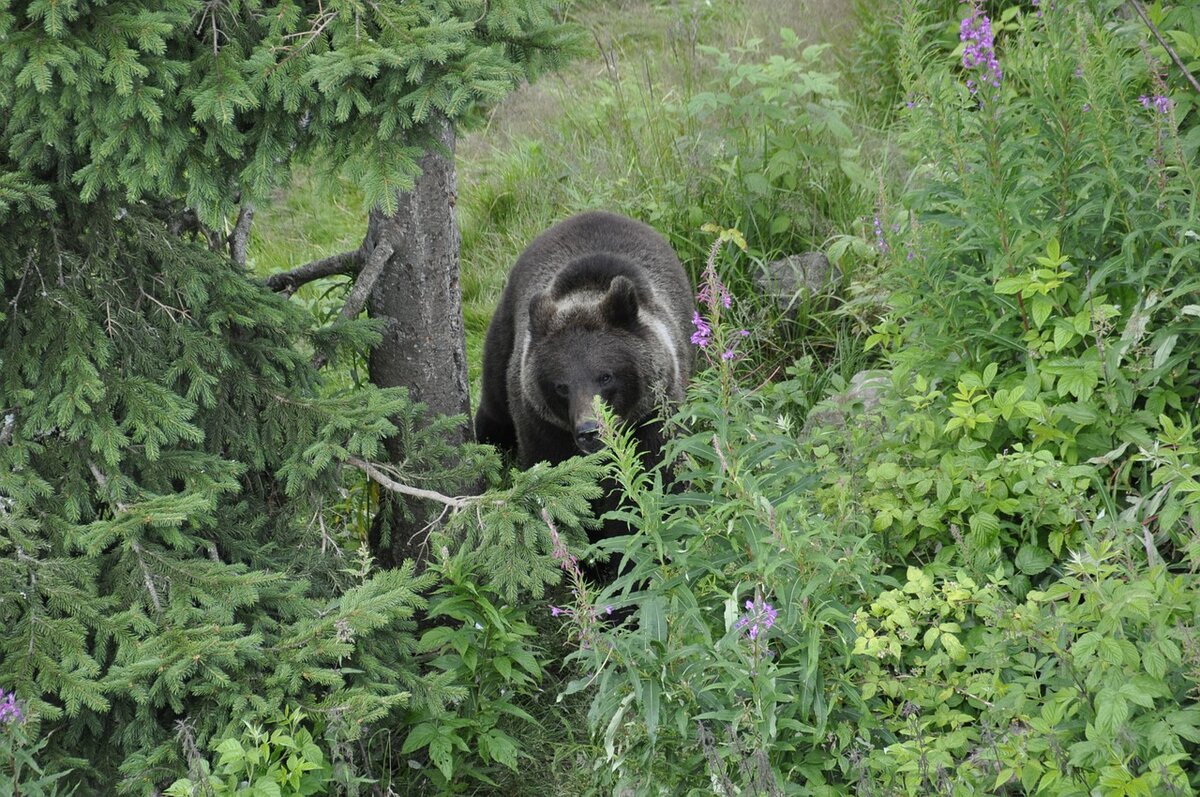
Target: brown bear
{"type": "Point", "coordinates": [598, 305]}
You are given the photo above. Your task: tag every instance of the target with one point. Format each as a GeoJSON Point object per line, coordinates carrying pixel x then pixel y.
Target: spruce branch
{"type": "Point", "coordinates": [363, 286]}
{"type": "Point", "coordinates": [343, 263]}
{"type": "Point", "coordinates": [122, 507]}
{"type": "Point", "coordinates": [1141, 12]}
{"type": "Point", "coordinates": [239, 239]}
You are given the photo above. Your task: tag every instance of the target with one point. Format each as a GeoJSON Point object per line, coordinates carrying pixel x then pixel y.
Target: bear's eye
{"type": "Point", "coordinates": [561, 389]}
{"type": "Point", "coordinates": [604, 379]}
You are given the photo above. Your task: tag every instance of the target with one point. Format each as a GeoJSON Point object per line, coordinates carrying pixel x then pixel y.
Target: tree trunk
{"type": "Point", "coordinates": [424, 345]}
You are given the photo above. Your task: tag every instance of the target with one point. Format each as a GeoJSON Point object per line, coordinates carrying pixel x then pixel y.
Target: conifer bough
{"type": "Point", "coordinates": [165, 444]}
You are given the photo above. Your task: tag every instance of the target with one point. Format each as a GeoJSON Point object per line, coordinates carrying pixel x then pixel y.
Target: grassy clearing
{"type": "Point", "coordinates": [612, 131]}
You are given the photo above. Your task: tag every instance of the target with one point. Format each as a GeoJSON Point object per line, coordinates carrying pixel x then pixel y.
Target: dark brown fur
{"type": "Point", "coordinates": [598, 305]}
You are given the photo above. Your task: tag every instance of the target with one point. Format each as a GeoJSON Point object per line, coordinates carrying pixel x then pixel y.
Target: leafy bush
{"type": "Point", "coordinates": [484, 653]}
{"type": "Point", "coordinates": [1082, 688]}
{"type": "Point", "coordinates": [284, 762]}
{"type": "Point", "coordinates": [986, 583]}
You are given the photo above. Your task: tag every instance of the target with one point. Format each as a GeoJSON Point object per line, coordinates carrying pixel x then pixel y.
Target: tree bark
{"type": "Point", "coordinates": [424, 345]}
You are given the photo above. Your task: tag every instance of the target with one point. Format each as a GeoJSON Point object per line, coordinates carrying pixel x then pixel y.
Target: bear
{"type": "Point", "coordinates": [597, 305]}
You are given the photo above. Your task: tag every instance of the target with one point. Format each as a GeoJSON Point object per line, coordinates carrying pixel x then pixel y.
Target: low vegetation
{"type": "Point", "coordinates": [976, 577]}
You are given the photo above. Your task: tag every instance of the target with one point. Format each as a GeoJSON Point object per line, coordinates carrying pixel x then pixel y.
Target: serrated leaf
{"type": "Point", "coordinates": [442, 756]}
{"type": "Point", "coordinates": [1040, 307]}
{"type": "Point", "coordinates": [1111, 711]}
{"type": "Point", "coordinates": [1032, 560]}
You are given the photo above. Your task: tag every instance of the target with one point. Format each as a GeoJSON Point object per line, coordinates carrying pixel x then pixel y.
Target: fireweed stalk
{"type": "Point", "coordinates": [979, 51]}
{"type": "Point", "coordinates": [715, 298]}
{"type": "Point", "coordinates": [583, 615]}
{"type": "Point", "coordinates": [760, 616]}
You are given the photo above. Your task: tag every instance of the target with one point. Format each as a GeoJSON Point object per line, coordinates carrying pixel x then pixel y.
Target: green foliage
{"type": "Point", "coordinates": [986, 583]}
{"type": "Point", "coordinates": [796, 159]}
{"type": "Point", "coordinates": [503, 534]}
{"type": "Point", "coordinates": [485, 649]}
{"type": "Point", "coordinates": [21, 747]}
{"type": "Point", "coordinates": [166, 449]}
{"type": "Point", "coordinates": [283, 762]}
{"type": "Point", "coordinates": [743, 534]}
{"type": "Point", "coordinates": [172, 468]}
{"type": "Point", "coordinates": [1179, 24]}
{"type": "Point", "coordinates": [206, 101]}
{"type": "Point", "coordinates": [1079, 689]}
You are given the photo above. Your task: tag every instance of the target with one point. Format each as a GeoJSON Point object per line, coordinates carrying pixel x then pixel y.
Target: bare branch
{"type": "Point", "coordinates": [415, 492]}
{"type": "Point", "coordinates": [343, 263]}
{"type": "Point", "coordinates": [239, 239]}
{"type": "Point", "coordinates": [1141, 12]}
{"type": "Point", "coordinates": [147, 577]}
{"type": "Point", "coordinates": [6, 429]}
{"type": "Point", "coordinates": [361, 290]}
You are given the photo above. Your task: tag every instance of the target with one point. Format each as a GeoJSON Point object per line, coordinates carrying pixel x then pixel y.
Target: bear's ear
{"type": "Point", "coordinates": [620, 304]}
{"type": "Point", "coordinates": [541, 314]}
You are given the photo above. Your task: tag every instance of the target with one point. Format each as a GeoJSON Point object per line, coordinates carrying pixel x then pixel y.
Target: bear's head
{"type": "Point", "coordinates": [590, 344]}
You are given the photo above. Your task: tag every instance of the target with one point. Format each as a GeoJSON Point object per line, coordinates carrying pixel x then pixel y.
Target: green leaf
{"type": "Point", "coordinates": [654, 618]}
{"type": "Point", "coordinates": [1154, 661]}
{"type": "Point", "coordinates": [442, 755]}
{"type": "Point", "coordinates": [266, 787]}
{"type": "Point", "coordinates": [1011, 285]}
{"type": "Point", "coordinates": [1032, 559]}
{"type": "Point", "coordinates": [1041, 306]}
{"type": "Point", "coordinates": [651, 703]}
{"type": "Point", "coordinates": [419, 737]}
{"type": "Point", "coordinates": [1111, 711]}
{"type": "Point", "coordinates": [501, 747]}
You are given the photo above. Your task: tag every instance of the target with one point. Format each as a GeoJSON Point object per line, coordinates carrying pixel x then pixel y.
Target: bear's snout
{"type": "Point", "coordinates": [587, 436]}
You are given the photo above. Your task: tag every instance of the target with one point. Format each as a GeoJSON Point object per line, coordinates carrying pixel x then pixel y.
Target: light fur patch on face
{"type": "Point", "coordinates": [577, 301]}
{"type": "Point", "coordinates": [590, 300]}
{"type": "Point", "coordinates": [659, 327]}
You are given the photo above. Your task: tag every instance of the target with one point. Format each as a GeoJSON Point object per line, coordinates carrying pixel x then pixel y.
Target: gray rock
{"type": "Point", "coordinates": [861, 396]}
{"type": "Point", "coordinates": [794, 278]}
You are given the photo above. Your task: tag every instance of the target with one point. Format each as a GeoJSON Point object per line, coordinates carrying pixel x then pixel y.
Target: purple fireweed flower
{"type": "Point", "coordinates": [10, 710]}
{"type": "Point", "coordinates": [731, 352]}
{"type": "Point", "coordinates": [712, 290]}
{"type": "Point", "coordinates": [979, 52]}
{"type": "Point", "coordinates": [703, 334]}
{"type": "Point", "coordinates": [583, 616]}
{"type": "Point", "coordinates": [1158, 102]}
{"type": "Point", "coordinates": [880, 240]}
{"type": "Point", "coordinates": [760, 617]}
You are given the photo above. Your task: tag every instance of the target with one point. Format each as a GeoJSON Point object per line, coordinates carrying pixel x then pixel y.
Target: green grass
{"type": "Point", "coordinates": [592, 136]}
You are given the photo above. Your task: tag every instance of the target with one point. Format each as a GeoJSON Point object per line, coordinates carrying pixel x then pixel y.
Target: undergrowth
{"type": "Point", "coordinates": [982, 583]}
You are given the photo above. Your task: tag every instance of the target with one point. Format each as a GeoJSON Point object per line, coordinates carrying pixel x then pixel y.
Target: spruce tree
{"type": "Point", "coordinates": [167, 449]}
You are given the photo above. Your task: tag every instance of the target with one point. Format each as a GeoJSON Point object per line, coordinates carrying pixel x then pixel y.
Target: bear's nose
{"type": "Point", "coordinates": [587, 436]}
